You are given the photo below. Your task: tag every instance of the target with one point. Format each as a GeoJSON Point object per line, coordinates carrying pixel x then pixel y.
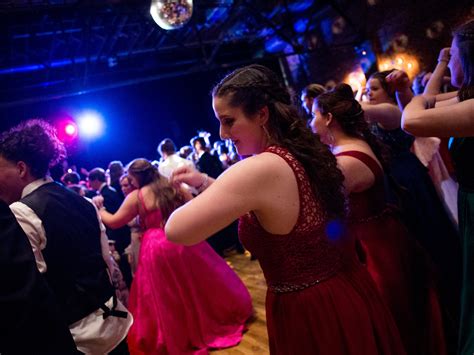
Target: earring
{"type": "Point", "coordinates": [265, 130]}
{"type": "Point", "coordinates": [331, 138]}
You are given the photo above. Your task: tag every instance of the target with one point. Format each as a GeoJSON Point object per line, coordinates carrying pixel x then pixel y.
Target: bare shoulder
{"type": "Point", "coordinates": [255, 176]}
{"type": "Point", "coordinates": [258, 166]}
{"type": "Point", "coordinates": [357, 175]}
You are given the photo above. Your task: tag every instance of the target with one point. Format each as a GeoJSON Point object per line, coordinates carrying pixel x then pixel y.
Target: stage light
{"type": "Point", "coordinates": [405, 62]}
{"type": "Point", "coordinates": [70, 129]}
{"type": "Point", "coordinates": [356, 79]}
{"type": "Point", "coordinates": [91, 124]}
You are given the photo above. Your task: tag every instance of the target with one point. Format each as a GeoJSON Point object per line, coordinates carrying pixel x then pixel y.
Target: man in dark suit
{"type": "Point", "coordinates": [211, 165]}
{"type": "Point", "coordinates": [115, 171]}
{"type": "Point", "coordinates": [112, 202]}
{"type": "Point", "coordinates": [64, 231]}
{"type": "Point", "coordinates": [206, 163]}
{"type": "Point", "coordinates": [31, 322]}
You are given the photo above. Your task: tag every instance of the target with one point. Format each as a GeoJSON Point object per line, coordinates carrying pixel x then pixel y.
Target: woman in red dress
{"type": "Point", "coordinates": [399, 267]}
{"type": "Point", "coordinates": [288, 196]}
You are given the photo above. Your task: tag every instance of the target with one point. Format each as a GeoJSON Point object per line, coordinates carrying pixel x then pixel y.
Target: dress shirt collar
{"type": "Point", "coordinates": [32, 186]}
{"type": "Point", "coordinates": [104, 184]}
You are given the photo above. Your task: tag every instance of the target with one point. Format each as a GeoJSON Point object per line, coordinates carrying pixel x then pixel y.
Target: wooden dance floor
{"type": "Point", "coordinates": [255, 340]}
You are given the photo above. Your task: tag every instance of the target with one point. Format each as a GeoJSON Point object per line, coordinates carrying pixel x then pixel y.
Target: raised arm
{"type": "Point", "coordinates": [125, 213]}
{"type": "Point", "coordinates": [433, 86]}
{"type": "Point", "coordinates": [224, 200]}
{"type": "Point", "coordinates": [387, 115]}
{"type": "Point", "coordinates": [399, 81]}
{"type": "Point", "coordinates": [264, 184]}
{"type": "Point", "coordinates": [455, 120]}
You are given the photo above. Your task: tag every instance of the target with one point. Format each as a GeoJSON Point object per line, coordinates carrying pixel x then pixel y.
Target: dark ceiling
{"type": "Point", "coordinates": [66, 47]}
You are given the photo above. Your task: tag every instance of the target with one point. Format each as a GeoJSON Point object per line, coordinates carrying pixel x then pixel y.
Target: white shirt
{"type": "Point", "coordinates": [171, 163]}
{"type": "Point", "coordinates": [92, 334]}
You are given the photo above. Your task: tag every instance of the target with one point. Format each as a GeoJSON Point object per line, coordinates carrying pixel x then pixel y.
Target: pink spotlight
{"type": "Point", "coordinates": [70, 129]}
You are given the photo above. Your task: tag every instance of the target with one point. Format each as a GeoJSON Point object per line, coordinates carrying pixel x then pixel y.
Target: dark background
{"type": "Point", "coordinates": [58, 57]}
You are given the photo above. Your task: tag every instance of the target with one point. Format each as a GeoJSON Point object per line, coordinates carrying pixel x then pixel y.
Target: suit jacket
{"type": "Point", "coordinates": [112, 202]}
{"type": "Point", "coordinates": [30, 321]}
{"type": "Point", "coordinates": [210, 165]}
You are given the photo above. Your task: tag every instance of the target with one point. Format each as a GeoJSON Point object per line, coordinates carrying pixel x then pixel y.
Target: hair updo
{"type": "Point", "coordinates": [347, 111]}
{"type": "Point", "coordinates": [254, 87]}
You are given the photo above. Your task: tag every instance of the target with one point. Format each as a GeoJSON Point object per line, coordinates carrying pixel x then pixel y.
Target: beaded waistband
{"type": "Point", "coordinates": [285, 287]}
{"type": "Point", "coordinates": [381, 214]}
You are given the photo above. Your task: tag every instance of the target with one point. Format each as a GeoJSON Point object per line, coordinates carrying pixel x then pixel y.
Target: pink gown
{"type": "Point", "coordinates": [184, 300]}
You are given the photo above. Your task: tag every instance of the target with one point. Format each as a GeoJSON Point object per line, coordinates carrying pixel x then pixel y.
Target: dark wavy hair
{"type": "Point", "coordinates": [348, 113]}
{"type": "Point", "coordinates": [34, 142]}
{"type": "Point", "coordinates": [381, 77]}
{"type": "Point", "coordinates": [167, 198]}
{"type": "Point", "coordinates": [253, 87]}
{"type": "Point", "coordinates": [313, 90]}
{"type": "Point", "coordinates": [464, 36]}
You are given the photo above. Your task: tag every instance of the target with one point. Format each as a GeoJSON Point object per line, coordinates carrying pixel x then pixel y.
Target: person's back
{"type": "Point", "coordinates": [76, 270]}
{"type": "Point", "coordinates": [64, 233]}
{"type": "Point", "coordinates": [174, 285]}
{"type": "Point", "coordinates": [31, 319]}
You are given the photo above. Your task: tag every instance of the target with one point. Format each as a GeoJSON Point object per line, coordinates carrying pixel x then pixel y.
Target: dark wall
{"type": "Point", "coordinates": [137, 117]}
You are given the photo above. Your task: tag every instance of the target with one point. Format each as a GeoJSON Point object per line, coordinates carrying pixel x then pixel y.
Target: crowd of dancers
{"type": "Point", "coordinates": [350, 213]}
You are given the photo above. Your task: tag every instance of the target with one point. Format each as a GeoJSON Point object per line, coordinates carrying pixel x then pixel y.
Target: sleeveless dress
{"type": "Point", "coordinates": [462, 151]}
{"type": "Point", "coordinates": [429, 223]}
{"type": "Point", "coordinates": [399, 267]}
{"type": "Point", "coordinates": [318, 301]}
{"type": "Point", "coordinates": [184, 299]}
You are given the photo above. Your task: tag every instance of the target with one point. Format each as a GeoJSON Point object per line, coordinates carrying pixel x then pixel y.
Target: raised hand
{"type": "Point", "coordinates": [187, 175]}
{"type": "Point", "coordinates": [398, 80]}
{"type": "Point", "coordinates": [98, 201]}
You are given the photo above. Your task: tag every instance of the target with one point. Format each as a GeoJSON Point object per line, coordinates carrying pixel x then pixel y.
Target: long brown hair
{"type": "Point", "coordinates": [345, 109]}
{"type": "Point", "coordinates": [464, 36]}
{"type": "Point", "coordinates": [167, 197]}
{"type": "Point", "coordinates": [253, 87]}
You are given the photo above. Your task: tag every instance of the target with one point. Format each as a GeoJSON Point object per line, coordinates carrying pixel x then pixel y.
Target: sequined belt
{"type": "Point", "coordinates": [386, 210]}
{"type": "Point", "coordinates": [285, 287]}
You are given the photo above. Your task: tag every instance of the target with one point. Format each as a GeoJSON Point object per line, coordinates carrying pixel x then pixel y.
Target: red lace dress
{"type": "Point", "coordinates": [317, 302]}
{"type": "Point", "coordinates": [399, 267]}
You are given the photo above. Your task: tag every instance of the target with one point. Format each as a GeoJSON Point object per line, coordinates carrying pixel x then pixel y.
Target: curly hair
{"type": "Point", "coordinates": [253, 87]}
{"type": "Point", "coordinates": [381, 77]}
{"type": "Point", "coordinates": [34, 142]}
{"type": "Point", "coordinates": [464, 36]}
{"type": "Point", "coordinates": [167, 198]}
{"type": "Point", "coordinates": [348, 113]}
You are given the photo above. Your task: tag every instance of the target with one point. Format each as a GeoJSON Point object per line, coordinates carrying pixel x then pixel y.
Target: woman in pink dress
{"type": "Point", "coordinates": [185, 300]}
{"type": "Point", "coordinates": [289, 197]}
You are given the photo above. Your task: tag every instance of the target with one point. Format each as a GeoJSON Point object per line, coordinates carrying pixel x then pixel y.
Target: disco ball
{"type": "Point", "coordinates": [171, 14]}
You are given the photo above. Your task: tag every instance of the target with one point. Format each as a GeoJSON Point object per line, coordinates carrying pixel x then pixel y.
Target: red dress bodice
{"type": "Point", "coordinates": [302, 257]}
